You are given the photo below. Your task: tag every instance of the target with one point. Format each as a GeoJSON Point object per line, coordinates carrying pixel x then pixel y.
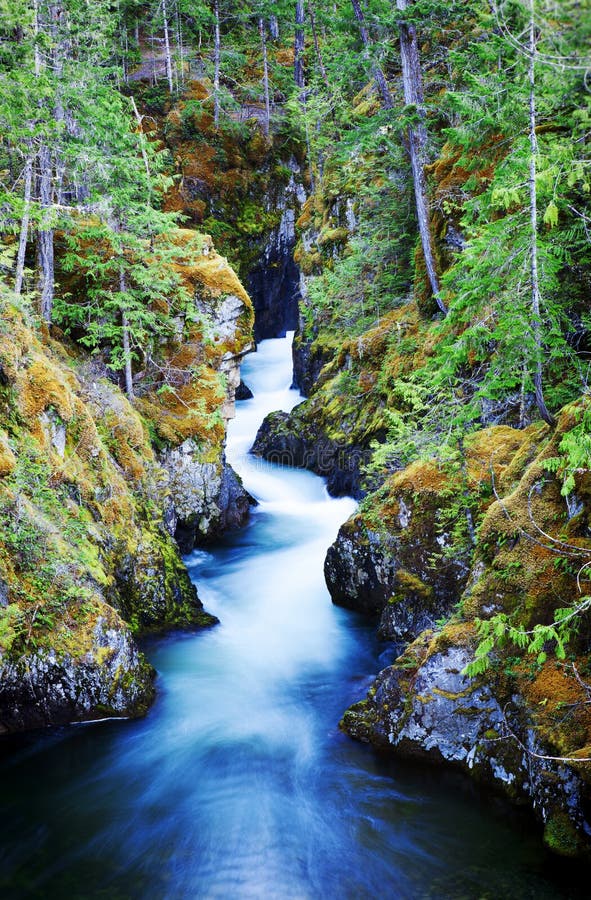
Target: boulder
{"type": "Point", "coordinates": [425, 707]}
{"type": "Point", "coordinates": [399, 559]}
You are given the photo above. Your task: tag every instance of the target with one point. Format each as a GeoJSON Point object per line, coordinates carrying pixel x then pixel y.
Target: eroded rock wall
{"type": "Point", "coordinates": [93, 490]}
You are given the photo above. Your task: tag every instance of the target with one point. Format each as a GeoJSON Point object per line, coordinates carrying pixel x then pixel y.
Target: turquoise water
{"type": "Point", "coordinates": [238, 784]}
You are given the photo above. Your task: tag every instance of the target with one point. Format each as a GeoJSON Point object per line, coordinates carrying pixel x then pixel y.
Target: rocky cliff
{"type": "Point", "coordinates": [472, 530]}
{"type": "Point", "coordinates": [522, 725]}
{"type": "Point", "coordinates": [93, 490]}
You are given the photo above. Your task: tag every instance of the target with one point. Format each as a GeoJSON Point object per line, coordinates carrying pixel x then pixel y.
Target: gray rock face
{"type": "Point", "coordinates": [206, 498]}
{"type": "Point", "coordinates": [309, 358]}
{"type": "Point", "coordinates": [359, 572]}
{"type": "Point", "coordinates": [392, 574]}
{"type": "Point", "coordinates": [111, 678]}
{"type": "Point", "coordinates": [243, 392]}
{"type": "Point", "coordinates": [274, 283]}
{"type": "Point", "coordinates": [296, 439]}
{"type": "Point", "coordinates": [433, 711]}
{"type": "Point", "coordinates": [194, 488]}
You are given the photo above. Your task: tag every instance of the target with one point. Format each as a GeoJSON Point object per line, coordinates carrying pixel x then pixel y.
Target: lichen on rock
{"type": "Point", "coordinates": [87, 508]}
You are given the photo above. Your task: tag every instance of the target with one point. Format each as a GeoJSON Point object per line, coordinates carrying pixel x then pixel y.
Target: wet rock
{"type": "Point", "coordinates": [243, 392]}
{"type": "Point", "coordinates": [425, 707]}
{"type": "Point", "coordinates": [207, 498]}
{"type": "Point", "coordinates": [108, 677]}
{"type": "Point", "coordinates": [395, 559]}
{"type": "Point", "coordinates": [294, 439]}
{"type": "Point", "coordinates": [310, 355]}
{"type": "Point", "coordinates": [274, 283]}
{"type": "Point", "coordinates": [234, 501]}
{"type": "Point", "coordinates": [154, 589]}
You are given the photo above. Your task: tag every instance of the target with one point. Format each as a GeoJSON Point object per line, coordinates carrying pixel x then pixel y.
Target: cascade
{"type": "Point", "coordinates": [238, 783]}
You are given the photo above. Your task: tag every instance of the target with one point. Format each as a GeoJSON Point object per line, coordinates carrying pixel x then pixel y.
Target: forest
{"type": "Point", "coordinates": [404, 185]}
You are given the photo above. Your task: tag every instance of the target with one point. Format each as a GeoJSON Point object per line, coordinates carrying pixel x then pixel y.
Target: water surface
{"type": "Point", "coordinates": [238, 783]}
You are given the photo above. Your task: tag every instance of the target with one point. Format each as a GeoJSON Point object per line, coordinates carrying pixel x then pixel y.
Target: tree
{"type": "Point", "coordinates": [299, 43]}
{"type": "Point", "coordinates": [378, 73]}
{"type": "Point", "coordinates": [417, 141]}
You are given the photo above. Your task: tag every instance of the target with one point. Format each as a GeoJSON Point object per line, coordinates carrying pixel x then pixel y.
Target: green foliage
{"type": "Point", "coordinates": [499, 632]}
{"type": "Point", "coordinates": [575, 450]}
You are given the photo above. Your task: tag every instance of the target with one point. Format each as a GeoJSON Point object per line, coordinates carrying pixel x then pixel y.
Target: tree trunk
{"type": "Point", "coordinates": [45, 237]}
{"type": "Point", "coordinates": [267, 124]}
{"type": "Point", "coordinates": [417, 139]}
{"type": "Point", "coordinates": [376, 69]}
{"type": "Point", "coordinates": [168, 56]}
{"type": "Point", "coordinates": [126, 342]}
{"type": "Point", "coordinates": [179, 40]}
{"type": "Point", "coordinates": [217, 56]}
{"type": "Point", "coordinates": [143, 150]}
{"type": "Point", "coordinates": [22, 244]}
{"type": "Point", "coordinates": [274, 27]}
{"type": "Point", "coordinates": [536, 322]}
{"type": "Point", "coordinates": [298, 62]}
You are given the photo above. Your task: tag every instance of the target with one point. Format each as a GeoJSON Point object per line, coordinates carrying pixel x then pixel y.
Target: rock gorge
{"type": "Point", "coordinates": [470, 548]}
{"type": "Point", "coordinates": [92, 501]}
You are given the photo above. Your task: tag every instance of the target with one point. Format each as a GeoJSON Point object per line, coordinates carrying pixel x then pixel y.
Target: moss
{"type": "Point", "coordinates": [359, 721]}
{"type": "Point", "coordinates": [7, 457]}
{"type": "Point", "coordinates": [41, 386]}
{"type": "Point", "coordinates": [560, 836]}
{"type": "Point", "coordinates": [65, 523]}
{"type": "Point", "coordinates": [409, 585]}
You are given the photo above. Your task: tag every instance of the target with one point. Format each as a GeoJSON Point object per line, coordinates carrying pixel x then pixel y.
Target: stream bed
{"type": "Point", "coordinates": [238, 784]}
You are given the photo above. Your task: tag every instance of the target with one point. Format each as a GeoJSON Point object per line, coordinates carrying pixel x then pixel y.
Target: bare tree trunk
{"type": "Point", "coordinates": [22, 244]}
{"type": "Point", "coordinates": [36, 30]}
{"type": "Point", "coordinates": [536, 321]}
{"type": "Point", "coordinates": [377, 71]}
{"type": "Point", "coordinates": [274, 27]}
{"type": "Point", "coordinates": [326, 80]}
{"type": "Point", "coordinates": [45, 237]}
{"type": "Point", "coordinates": [217, 56]}
{"type": "Point", "coordinates": [126, 343]}
{"type": "Point", "coordinates": [179, 40]}
{"type": "Point", "coordinates": [299, 75]}
{"type": "Point", "coordinates": [168, 56]}
{"type": "Point", "coordinates": [299, 43]}
{"type": "Point", "coordinates": [45, 277]}
{"type": "Point", "coordinates": [144, 153]}
{"type": "Point", "coordinates": [417, 139]}
{"type": "Point", "coordinates": [267, 126]}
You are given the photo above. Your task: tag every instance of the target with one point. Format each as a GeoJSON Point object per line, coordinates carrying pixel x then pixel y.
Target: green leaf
{"type": "Point", "coordinates": [551, 215]}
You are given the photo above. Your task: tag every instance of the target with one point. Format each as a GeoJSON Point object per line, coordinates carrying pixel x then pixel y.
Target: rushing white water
{"type": "Point", "coordinates": [238, 784]}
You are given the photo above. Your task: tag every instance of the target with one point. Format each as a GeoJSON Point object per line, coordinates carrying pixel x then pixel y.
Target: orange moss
{"type": "Point", "coordinates": [189, 410]}
{"type": "Point", "coordinates": [492, 451]}
{"type": "Point", "coordinates": [561, 705]}
{"type": "Point", "coordinates": [421, 477]}
{"type": "Point", "coordinates": [285, 56]}
{"type": "Point", "coordinates": [41, 386]}
{"type": "Point", "coordinates": [208, 269]}
{"type": "Point", "coordinates": [7, 457]}
{"type": "Point", "coordinates": [198, 90]}
{"type": "Point", "coordinates": [196, 165]}
{"type": "Point", "coordinates": [186, 356]}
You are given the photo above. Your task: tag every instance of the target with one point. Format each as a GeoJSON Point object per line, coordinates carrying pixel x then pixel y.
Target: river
{"type": "Point", "coordinates": [238, 784]}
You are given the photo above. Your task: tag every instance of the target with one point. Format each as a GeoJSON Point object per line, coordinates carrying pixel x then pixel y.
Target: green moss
{"type": "Point", "coordinates": [560, 836]}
